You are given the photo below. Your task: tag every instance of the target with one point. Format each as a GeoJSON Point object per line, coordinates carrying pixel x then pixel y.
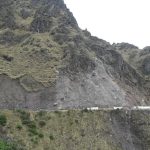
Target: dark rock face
{"type": "Point", "coordinates": [40, 25]}
{"type": "Point", "coordinates": [49, 10]}
{"type": "Point", "coordinates": [81, 63]}
{"type": "Point", "coordinates": [7, 58]}
{"type": "Point", "coordinates": [25, 13]}
{"type": "Point", "coordinates": [146, 66]}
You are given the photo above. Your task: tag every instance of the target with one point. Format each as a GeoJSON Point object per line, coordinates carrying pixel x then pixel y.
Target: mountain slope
{"type": "Point", "coordinates": [53, 64]}
{"type": "Point", "coordinates": [76, 130]}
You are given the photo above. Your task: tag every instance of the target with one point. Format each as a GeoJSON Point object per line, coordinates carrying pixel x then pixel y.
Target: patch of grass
{"type": "Point", "coordinates": [9, 146]}
{"type": "Point", "coordinates": [58, 113]}
{"type": "Point", "coordinates": [30, 53]}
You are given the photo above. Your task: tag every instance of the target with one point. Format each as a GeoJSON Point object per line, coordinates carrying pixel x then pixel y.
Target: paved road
{"type": "Point", "coordinates": [98, 108]}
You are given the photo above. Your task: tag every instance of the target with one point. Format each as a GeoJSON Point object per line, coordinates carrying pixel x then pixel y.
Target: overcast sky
{"type": "Point", "coordinates": [114, 20]}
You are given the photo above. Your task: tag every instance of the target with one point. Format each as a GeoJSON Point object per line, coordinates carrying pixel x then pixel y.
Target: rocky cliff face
{"type": "Point", "coordinates": [47, 61]}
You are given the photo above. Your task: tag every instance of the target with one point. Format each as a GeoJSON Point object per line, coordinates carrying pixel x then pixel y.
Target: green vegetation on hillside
{"type": "Point", "coordinates": [4, 145]}
{"type": "Point", "coordinates": [76, 130]}
{"type": "Point", "coordinates": [60, 130]}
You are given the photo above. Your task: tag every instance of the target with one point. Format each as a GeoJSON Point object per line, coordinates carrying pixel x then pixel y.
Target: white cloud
{"type": "Point", "coordinates": [114, 20]}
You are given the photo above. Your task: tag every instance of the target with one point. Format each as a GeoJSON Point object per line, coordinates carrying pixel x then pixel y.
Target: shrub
{"type": "Point", "coordinates": [51, 137]}
{"type": "Point", "coordinates": [85, 110]}
{"type": "Point", "coordinates": [33, 131]}
{"type": "Point", "coordinates": [82, 132]}
{"type": "Point", "coordinates": [42, 123]}
{"type": "Point", "coordinates": [41, 113]}
{"type": "Point", "coordinates": [35, 141]}
{"type": "Point", "coordinates": [3, 120]}
{"type": "Point", "coordinates": [31, 124]}
{"type": "Point", "coordinates": [41, 135]}
{"type": "Point", "coordinates": [76, 121]}
{"type": "Point", "coordinates": [25, 118]}
{"type": "Point", "coordinates": [19, 127]}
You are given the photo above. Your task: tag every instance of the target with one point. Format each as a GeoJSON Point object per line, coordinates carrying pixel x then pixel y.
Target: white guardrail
{"type": "Point", "coordinates": [141, 108]}
{"type": "Point", "coordinates": [116, 108]}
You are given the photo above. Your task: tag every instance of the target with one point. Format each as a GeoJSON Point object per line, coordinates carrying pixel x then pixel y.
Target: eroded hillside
{"type": "Point", "coordinates": [47, 61]}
